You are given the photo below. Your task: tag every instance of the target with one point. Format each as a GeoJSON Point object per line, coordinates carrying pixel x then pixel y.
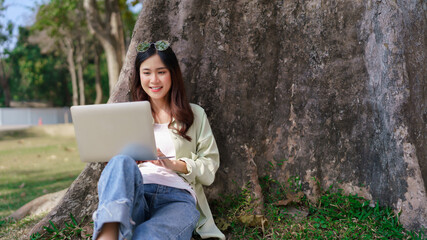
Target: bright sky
{"type": "Point", "coordinates": [23, 13]}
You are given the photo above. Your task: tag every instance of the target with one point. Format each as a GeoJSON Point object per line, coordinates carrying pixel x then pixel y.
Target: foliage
{"type": "Point", "coordinates": [5, 28]}
{"type": "Point", "coordinates": [36, 76]}
{"type": "Point", "coordinates": [334, 216]}
{"type": "Point", "coordinates": [72, 230]}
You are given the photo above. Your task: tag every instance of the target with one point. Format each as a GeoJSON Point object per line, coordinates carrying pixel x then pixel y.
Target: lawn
{"type": "Point", "coordinates": [36, 161]}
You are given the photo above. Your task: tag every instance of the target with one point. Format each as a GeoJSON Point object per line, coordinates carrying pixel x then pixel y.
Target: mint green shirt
{"type": "Point", "coordinates": [202, 158]}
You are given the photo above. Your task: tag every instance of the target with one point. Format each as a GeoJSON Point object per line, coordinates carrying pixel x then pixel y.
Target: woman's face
{"type": "Point", "coordinates": [155, 78]}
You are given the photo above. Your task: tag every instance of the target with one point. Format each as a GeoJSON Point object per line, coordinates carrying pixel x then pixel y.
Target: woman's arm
{"type": "Point", "coordinates": [203, 164]}
{"type": "Point", "coordinates": [175, 165]}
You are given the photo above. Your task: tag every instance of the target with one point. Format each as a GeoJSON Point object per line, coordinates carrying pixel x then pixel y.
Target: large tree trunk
{"type": "Point", "coordinates": [331, 90]}
{"type": "Point", "coordinates": [110, 33]}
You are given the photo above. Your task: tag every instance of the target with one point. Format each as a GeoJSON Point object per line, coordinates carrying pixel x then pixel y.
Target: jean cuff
{"type": "Point", "coordinates": [115, 211]}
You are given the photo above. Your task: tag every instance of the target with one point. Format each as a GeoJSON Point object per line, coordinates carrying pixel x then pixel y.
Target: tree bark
{"type": "Point", "coordinates": [331, 91]}
{"type": "Point", "coordinates": [110, 34]}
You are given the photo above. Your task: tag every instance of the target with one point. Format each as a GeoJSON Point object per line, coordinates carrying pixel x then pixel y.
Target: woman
{"type": "Point", "coordinates": [161, 199]}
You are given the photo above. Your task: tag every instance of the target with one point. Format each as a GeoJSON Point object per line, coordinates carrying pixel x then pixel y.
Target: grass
{"type": "Point", "coordinates": [333, 216]}
{"type": "Point", "coordinates": [34, 162]}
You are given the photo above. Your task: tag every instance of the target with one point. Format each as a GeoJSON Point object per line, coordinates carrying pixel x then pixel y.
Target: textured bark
{"type": "Point", "coordinates": [337, 88]}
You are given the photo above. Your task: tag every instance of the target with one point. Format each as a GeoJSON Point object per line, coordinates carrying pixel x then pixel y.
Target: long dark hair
{"type": "Point", "coordinates": [179, 106]}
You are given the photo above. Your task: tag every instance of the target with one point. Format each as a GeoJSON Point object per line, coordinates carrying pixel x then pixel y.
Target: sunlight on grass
{"type": "Point", "coordinates": [33, 163]}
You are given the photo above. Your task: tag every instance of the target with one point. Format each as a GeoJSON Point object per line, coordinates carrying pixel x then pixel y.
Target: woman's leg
{"type": "Point", "coordinates": [121, 199]}
{"type": "Point", "coordinates": [173, 214]}
{"type": "Point", "coordinates": [109, 231]}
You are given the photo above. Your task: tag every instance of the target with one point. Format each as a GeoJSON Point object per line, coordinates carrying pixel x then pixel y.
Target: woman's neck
{"type": "Point", "coordinates": [161, 111]}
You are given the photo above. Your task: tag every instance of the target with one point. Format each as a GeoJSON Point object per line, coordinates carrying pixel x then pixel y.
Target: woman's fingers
{"type": "Point", "coordinates": [159, 153]}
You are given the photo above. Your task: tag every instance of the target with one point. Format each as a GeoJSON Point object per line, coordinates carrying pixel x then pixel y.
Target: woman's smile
{"type": "Point", "coordinates": [155, 89]}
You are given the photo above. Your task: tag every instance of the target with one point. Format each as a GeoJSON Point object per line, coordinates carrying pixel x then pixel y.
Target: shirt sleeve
{"type": "Point", "coordinates": [204, 163]}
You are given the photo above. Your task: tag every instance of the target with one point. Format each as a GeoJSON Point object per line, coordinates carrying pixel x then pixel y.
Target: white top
{"type": "Point", "coordinates": [152, 173]}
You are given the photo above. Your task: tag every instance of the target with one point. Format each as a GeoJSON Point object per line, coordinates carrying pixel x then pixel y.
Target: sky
{"type": "Point", "coordinates": [23, 13]}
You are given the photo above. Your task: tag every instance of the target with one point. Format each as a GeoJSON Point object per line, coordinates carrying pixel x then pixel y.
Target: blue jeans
{"type": "Point", "coordinates": [144, 211]}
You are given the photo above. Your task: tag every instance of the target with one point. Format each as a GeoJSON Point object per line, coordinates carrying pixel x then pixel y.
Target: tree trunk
{"type": "Point", "coordinates": [4, 83]}
{"type": "Point", "coordinates": [67, 44]}
{"type": "Point", "coordinates": [79, 61]}
{"type": "Point", "coordinates": [98, 87]}
{"type": "Point", "coordinates": [330, 92]}
{"type": "Point", "coordinates": [110, 34]}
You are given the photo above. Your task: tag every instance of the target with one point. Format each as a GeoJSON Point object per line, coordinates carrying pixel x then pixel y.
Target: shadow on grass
{"type": "Point", "coordinates": [18, 134]}
{"type": "Point", "coordinates": [32, 189]}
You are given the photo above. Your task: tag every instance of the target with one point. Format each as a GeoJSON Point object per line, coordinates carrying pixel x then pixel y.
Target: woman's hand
{"type": "Point", "coordinates": [175, 165]}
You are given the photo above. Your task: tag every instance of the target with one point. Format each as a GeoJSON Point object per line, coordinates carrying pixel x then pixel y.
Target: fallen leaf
{"type": "Point", "coordinates": [253, 220]}
{"type": "Point", "coordinates": [23, 194]}
{"type": "Point", "coordinates": [22, 185]}
{"type": "Point", "coordinates": [20, 141]}
{"type": "Point", "coordinates": [290, 198]}
{"type": "Point", "coordinates": [222, 224]}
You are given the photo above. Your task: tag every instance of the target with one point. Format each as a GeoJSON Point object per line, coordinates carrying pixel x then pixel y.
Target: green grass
{"type": "Point", "coordinates": [10, 229]}
{"type": "Point", "coordinates": [333, 216]}
{"type": "Point", "coordinates": [33, 163]}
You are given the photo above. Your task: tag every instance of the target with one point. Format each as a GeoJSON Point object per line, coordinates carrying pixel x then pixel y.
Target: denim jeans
{"type": "Point", "coordinates": [144, 211]}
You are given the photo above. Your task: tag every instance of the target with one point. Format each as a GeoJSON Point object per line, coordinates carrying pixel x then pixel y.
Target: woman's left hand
{"type": "Point", "coordinates": [175, 165]}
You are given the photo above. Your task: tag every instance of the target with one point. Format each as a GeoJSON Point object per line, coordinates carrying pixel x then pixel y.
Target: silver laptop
{"type": "Point", "coordinates": [105, 130]}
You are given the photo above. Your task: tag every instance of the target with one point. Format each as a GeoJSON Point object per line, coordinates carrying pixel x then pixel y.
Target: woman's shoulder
{"type": "Point", "coordinates": [197, 110]}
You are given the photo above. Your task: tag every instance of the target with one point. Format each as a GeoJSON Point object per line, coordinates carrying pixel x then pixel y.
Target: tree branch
{"type": "Point", "coordinates": [96, 26]}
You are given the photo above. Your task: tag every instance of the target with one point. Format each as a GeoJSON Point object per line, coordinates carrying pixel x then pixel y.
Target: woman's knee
{"type": "Point", "coordinates": [121, 160]}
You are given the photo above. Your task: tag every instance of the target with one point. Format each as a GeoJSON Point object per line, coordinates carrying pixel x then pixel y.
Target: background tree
{"type": "Point", "coordinates": [35, 75]}
{"type": "Point", "coordinates": [64, 21]}
{"type": "Point", "coordinates": [108, 28]}
{"type": "Point", "coordinates": [5, 36]}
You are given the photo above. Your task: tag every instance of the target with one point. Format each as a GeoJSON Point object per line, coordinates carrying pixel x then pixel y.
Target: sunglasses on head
{"type": "Point", "coordinates": [160, 45]}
